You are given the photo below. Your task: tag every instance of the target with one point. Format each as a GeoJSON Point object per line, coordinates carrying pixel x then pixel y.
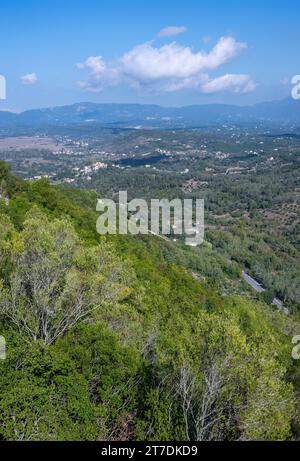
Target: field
{"type": "Point", "coordinates": [27, 142]}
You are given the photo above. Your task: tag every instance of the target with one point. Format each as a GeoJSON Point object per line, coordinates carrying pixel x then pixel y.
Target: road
{"type": "Point", "coordinates": [253, 283]}
{"type": "Point", "coordinates": [260, 289]}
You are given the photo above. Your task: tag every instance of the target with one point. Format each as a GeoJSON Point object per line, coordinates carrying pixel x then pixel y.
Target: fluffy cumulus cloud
{"type": "Point", "coordinates": [238, 83]}
{"type": "Point", "coordinates": [171, 67]}
{"type": "Point", "coordinates": [171, 31]}
{"type": "Point", "coordinates": [100, 75]}
{"type": "Point", "coordinates": [29, 79]}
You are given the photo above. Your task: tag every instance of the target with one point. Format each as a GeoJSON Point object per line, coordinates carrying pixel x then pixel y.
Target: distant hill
{"type": "Point", "coordinates": [285, 111]}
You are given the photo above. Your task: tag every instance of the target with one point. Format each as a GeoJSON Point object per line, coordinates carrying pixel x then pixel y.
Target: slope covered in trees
{"type": "Point", "coordinates": [110, 339]}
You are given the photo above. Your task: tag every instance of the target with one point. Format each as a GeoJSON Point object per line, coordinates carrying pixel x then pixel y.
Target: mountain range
{"type": "Point", "coordinates": [284, 111]}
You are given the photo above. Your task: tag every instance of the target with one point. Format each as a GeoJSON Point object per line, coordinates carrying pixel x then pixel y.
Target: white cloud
{"type": "Point", "coordinates": [171, 31]}
{"type": "Point", "coordinates": [95, 64]}
{"type": "Point", "coordinates": [29, 79]}
{"type": "Point", "coordinates": [146, 62]}
{"type": "Point", "coordinates": [100, 75]}
{"type": "Point", "coordinates": [168, 68]}
{"type": "Point", "coordinates": [237, 83]}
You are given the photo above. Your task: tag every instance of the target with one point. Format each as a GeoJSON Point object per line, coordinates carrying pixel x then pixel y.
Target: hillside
{"type": "Point", "coordinates": [114, 339]}
{"type": "Point", "coordinates": [286, 111]}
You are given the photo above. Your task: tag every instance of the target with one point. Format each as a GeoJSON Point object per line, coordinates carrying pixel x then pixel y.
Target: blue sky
{"type": "Point", "coordinates": [163, 52]}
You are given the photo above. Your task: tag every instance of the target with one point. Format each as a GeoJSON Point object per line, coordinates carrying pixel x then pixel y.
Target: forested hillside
{"type": "Point", "coordinates": [114, 339]}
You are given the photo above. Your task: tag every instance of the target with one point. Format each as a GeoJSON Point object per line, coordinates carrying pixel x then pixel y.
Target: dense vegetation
{"type": "Point", "coordinates": [113, 338]}
{"type": "Point", "coordinates": [251, 201]}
